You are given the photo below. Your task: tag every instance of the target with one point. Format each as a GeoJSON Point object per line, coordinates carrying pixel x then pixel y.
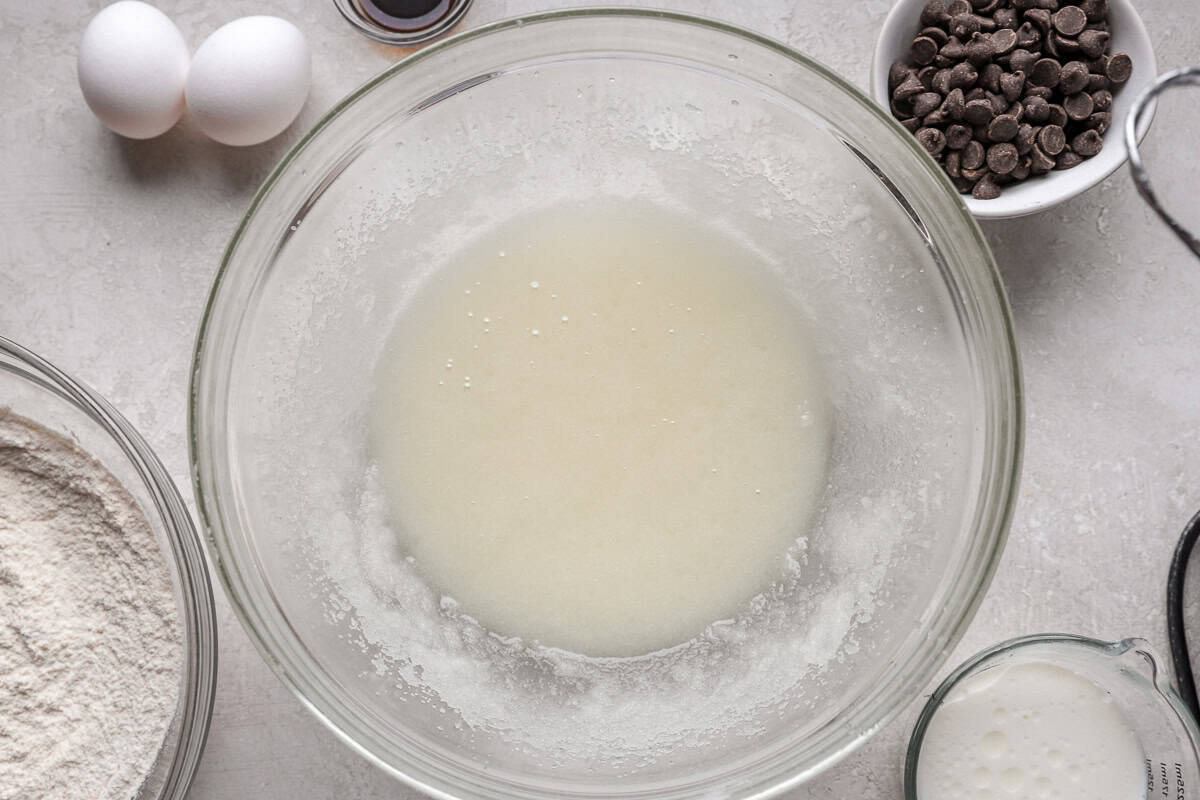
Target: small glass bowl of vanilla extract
{"type": "Point", "coordinates": [403, 22]}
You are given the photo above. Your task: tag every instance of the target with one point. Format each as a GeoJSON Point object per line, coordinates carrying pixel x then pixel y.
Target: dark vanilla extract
{"type": "Point", "coordinates": [405, 15]}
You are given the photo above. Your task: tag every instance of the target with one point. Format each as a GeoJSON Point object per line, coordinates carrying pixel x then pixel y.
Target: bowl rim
{"type": "Point", "coordinates": [1063, 185]}
{"type": "Point", "coordinates": [983, 560]}
{"type": "Point", "coordinates": [195, 599]}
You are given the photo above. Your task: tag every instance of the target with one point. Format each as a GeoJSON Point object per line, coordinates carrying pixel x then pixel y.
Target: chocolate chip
{"type": "Point", "coordinates": [954, 50]}
{"type": "Point", "coordinates": [1017, 110]}
{"type": "Point", "coordinates": [1073, 77]}
{"type": "Point", "coordinates": [925, 76]}
{"type": "Point", "coordinates": [1003, 41]}
{"type": "Point", "coordinates": [1064, 45]}
{"type": "Point", "coordinates": [1093, 43]}
{"type": "Point", "coordinates": [937, 34]}
{"type": "Point", "coordinates": [980, 132]}
{"type": "Point", "coordinates": [956, 7]}
{"type": "Point", "coordinates": [1037, 110]}
{"type": "Point", "coordinates": [1102, 100]}
{"type": "Point", "coordinates": [897, 73]}
{"type": "Point", "coordinates": [1069, 20]}
{"type": "Point", "coordinates": [1003, 128]}
{"type": "Point", "coordinates": [979, 49]}
{"type": "Point", "coordinates": [1005, 18]}
{"type": "Point", "coordinates": [1068, 160]}
{"type": "Point", "coordinates": [1120, 67]}
{"type": "Point", "coordinates": [901, 109]}
{"type": "Point", "coordinates": [953, 164]}
{"type": "Point", "coordinates": [1049, 5]}
{"type": "Point", "coordinates": [972, 155]}
{"type": "Point", "coordinates": [957, 137]}
{"type": "Point", "coordinates": [989, 77]}
{"type": "Point", "coordinates": [1011, 84]}
{"type": "Point", "coordinates": [1058, 115]}
{"type": "Point", "coordinates": [1001, 158]}
{"type": "Point", "coordinates": [937, 119]}
{"type": "Point", "coordinates": [1098, 65]}
{"type": "Point", "coordinates": [1097, 82]}
{"type": "Point", "coordinates": [963, 76]}
{"type": "Point", "coordinates": [934, 13]}
{"type": "Point", "coordinates": [986, 189]}
{"type": "Point", "coordinates": [999, 104]}
{"type": "Point", "coordinates": [1038, 91]}
{"type": "Point", "coordinates": [1021, 171]}
{"type": "Point", "coordinates": [1024, 139]}
{"type": "Point", "coordinates": [1094, 10]}
{"type": "Point", "coordinates": [1100, 122]}
{"type": "Point", "coordinates": [978, 112]}
{"type": "Point", "coordinates": [909, 88]}
{"type": "Point", "coordinates": [1050, 46]}
{"type": "Point", "coordinates": [1087, 143]}
{"type": "Point", "coordinates": [975, 174]}
{"type": "Point", "coordinates": [977, 93]}
{"type": "Point", "coordinates": [1041, 18]}
{"type": "Point", "coordinates": [1028, 36]}
{"type": "Point", "coordinates": [912, 124]}
{"type": "Point", "coordinates": [1023, 5]}
{"type": "Point", "coordinates": [963, 25]}
{"type": "Point", "coordinates": [1039, 162]}
{"type": "Point", "coordinates": [963, 185]}
{"type": "Point", "coordinates": [925, 102]}
{"type": "Point", "coordinates": [923, 50]}
{"type": "Point", "coordinates": [941, 81]}
{"type": "Point", "coordinates": [1078, 106]}
{"type": "Point", "coordinates": [1021, 61]}
{"type": "Point", "coordinates": [955, 103]}
{"type": "Point", "coordinates": [1046, 72]}
{"type": "Point", "coordinates": [933, 140]}
{"type": "Point", "coordinates": [1051, 139]}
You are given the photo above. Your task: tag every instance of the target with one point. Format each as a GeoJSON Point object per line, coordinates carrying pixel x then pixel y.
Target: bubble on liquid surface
{"type": "Point", "coordinates": [1012, 779]}
{"type": "Point", "coordinates": [993, 744]}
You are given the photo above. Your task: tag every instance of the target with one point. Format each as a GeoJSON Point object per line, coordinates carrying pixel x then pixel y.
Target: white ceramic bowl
{"type": "Point", "coordinates": [1037, 194]}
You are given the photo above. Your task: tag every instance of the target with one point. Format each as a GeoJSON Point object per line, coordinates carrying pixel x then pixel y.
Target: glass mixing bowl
{"type": "Point", "coordinates": [34, 389]}
{"type": "Point", "coordinates": [863, 232]}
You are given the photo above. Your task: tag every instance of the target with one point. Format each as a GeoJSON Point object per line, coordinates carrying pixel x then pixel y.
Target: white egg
{"type": "Point", "coordinates": [249, 80]}
{"type": "Point", "coordinates": [133, 64]}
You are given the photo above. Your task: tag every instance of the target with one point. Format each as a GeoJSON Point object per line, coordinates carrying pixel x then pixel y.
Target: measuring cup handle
{"type": "Point", "coordinates": [1143, 107]}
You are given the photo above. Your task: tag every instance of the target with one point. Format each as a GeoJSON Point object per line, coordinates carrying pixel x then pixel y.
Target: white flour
{"type": "Point", "coordinates": [90, 645]}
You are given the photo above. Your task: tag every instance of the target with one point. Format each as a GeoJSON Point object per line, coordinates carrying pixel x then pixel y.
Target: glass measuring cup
{"type": "Point", "coordinates": [1131, 675]}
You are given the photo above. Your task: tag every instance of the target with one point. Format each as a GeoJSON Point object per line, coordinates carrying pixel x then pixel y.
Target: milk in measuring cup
{"type": "Point", "coordinates": [1030, 730]}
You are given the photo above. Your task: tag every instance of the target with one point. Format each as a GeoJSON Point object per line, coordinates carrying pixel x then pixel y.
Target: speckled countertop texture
{"type": "Point", "coordinates": [108, 247]}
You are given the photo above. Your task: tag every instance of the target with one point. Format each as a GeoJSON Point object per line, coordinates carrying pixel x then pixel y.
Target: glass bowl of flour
{"type": "Point", "coordinates": [107, 641]}
{"type": "Point", "coordinates": [606, 403]}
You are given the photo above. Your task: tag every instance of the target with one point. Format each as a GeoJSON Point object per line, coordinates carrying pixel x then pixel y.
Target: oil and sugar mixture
{"type": "Point", "coordinates": [601, 429]}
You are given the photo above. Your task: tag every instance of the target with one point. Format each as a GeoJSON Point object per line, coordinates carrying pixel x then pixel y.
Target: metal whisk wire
{"type": "Point", "coordinates": [1185, 76]}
